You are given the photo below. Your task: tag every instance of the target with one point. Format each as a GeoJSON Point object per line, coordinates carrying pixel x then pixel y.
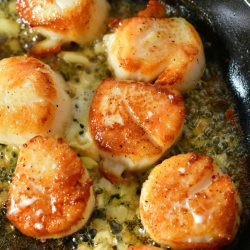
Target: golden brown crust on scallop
{"type": "Point", "coordinates": [60, 21]}
{"type": "Point", "coordinates": [168, 50]}
{"type": "Point", "coordinates": [134, 120]}
{"type": "Point", "coordinates": [17, 118]}
{"type": "Point", "coordinates": [71, 19]}
{"type": "Point", "coordinates": [174, 76]}
{"type": "Point", "coordinates": [21, 68]}
{"type": "Point", "coordinates": [187, 203]}
{"type": "Point", "coordinates": [31, 99]}
{"type": "Point", "coordinates": [50, 189]}
{"type": "Point", "coordinates": [64, 21]}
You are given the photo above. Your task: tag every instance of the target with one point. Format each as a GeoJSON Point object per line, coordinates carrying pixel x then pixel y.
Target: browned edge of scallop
{"type": "Point", "coordinates": [119, 139]}
{"type": "Point", "coordinates": [34, 70]}
{"type": "Point", "coordinates": [170, 78]}
{"type": "Point", "coordinates": [73, 18]}
{"type": "Point", "coordinates": [62, 192]}
{"type": "Point", "coordinates": [191, 179]}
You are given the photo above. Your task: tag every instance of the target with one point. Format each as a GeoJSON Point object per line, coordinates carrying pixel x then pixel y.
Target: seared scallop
{"type": "Point", "coordinates": [188, 203]}
{"type": "Point", "coordinates": [133, 124]}
{"type": "Point", "coordinates": [63, 21]}
{"type": "Point", "coordinates": [166, 50]}
{"type": "Point", "coordinates": [51, 193]}
{"type": "Point", "coordinates": [33, 100]}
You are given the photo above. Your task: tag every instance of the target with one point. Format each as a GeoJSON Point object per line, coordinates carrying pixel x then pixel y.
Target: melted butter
{"type": "Point", "coordinates": [181, 170]}
{"type": "Point", "coordinates": [27, 202]}
{"type": "Point", "coordinates": [14, 209]}
{"type": "Point", "coordinates": [39, 212]}
{"type": "Point", "coordinates": [113, 119]}
{"type": "Point", "coordinates": [52, 203]}
{"type": "Point", "coordinates": [198, 219]}
{"type": "Point", "coordinates": [38, 226]}
{"type": "Point", "coordinates": [38, 187]}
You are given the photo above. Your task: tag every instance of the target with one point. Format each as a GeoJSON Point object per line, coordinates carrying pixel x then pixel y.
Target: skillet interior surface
{"type": "Point", "coordinates": [228, 25]}
{"type": "Point", "coordinates": [225, 28]}
{"type": "Point", "coordinates": [230, 21]}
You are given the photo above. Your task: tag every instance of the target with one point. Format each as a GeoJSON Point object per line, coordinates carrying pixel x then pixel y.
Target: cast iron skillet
{"type": "Point", "coordinates": [227, 24]}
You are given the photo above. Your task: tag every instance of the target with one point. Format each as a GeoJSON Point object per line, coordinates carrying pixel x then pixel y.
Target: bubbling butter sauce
{"type": "Point", "coordinates": [211, 128]}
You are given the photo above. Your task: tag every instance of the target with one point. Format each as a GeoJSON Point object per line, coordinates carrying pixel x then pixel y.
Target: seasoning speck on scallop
{"type": "Point", "coordinates": [51, 193]}
{"type": "Point", "coordinates": [133, 124]}
{"type": "Point", "coordinates": [188, 203]}
{"type": "Point", "coordinates": [145, 48]}
{"type": "Point", "coordinates": [63, 21]}
{"type": "Point", "coordinates": [33, 100]}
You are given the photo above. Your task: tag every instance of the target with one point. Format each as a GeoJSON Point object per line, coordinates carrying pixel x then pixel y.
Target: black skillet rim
{"type": "Point", "coordinates": [229, 22]}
